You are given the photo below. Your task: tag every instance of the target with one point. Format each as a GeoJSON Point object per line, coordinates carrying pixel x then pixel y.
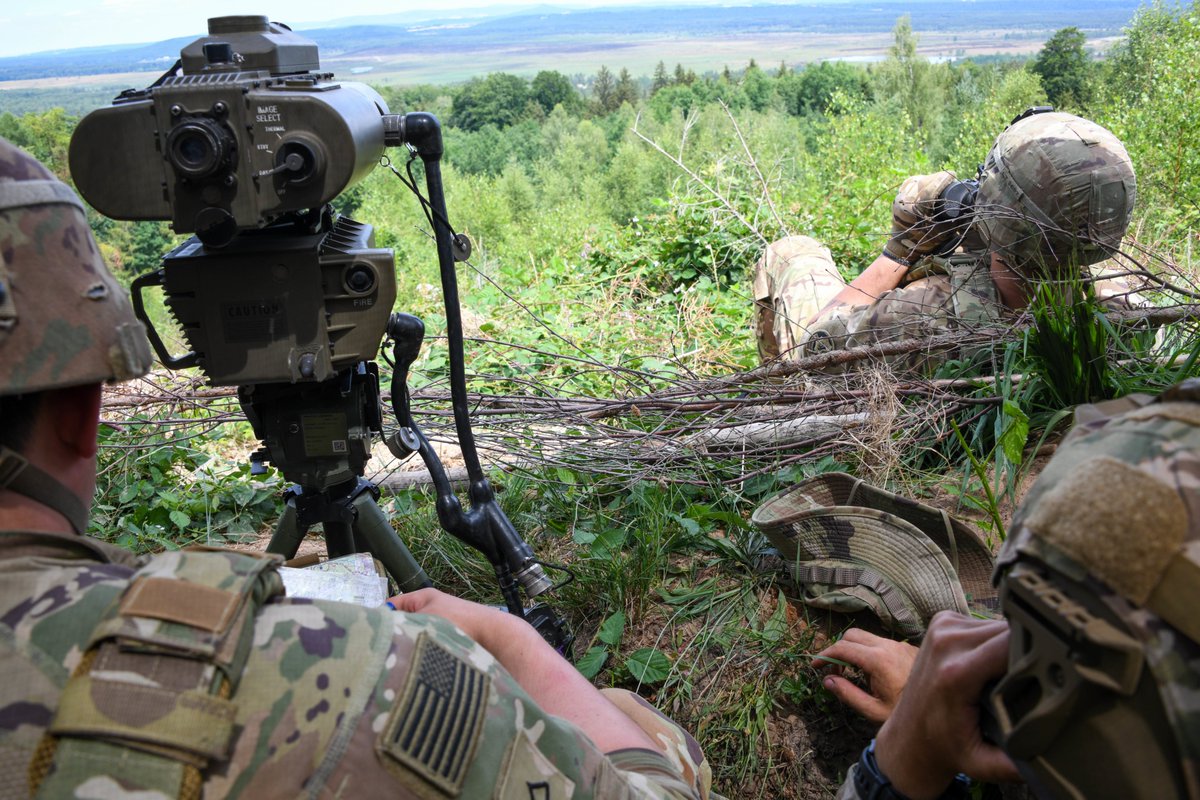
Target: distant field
{"type": "Point", "coordinates": [575, 55]}
{"type": "Point", "coordinates": [640, 55]}
{"type": "Point", "coordinates": [388, 50]}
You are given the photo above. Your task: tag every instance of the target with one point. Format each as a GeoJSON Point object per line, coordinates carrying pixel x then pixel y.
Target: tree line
{"type": "Point", "coordinates": [832, 139]}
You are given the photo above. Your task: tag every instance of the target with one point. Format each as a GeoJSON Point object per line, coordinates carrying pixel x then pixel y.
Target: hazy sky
{"type": "Point", "coordinates": [28, 27]}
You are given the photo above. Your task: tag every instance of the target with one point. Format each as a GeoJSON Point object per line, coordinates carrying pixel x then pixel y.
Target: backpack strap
{"type": "Point", "coordinates": [18, 475]}
{"type": "Point", "coordinates": [150, 705]}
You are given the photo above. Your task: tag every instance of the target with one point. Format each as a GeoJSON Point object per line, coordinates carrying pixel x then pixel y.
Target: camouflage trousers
{"type": "Point", "coordinates": [676, 744]}
{"type": "Point", "coordinates": [793, 281]}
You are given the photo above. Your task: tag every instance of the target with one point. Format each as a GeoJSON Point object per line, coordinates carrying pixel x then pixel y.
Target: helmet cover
{"type": "Point", "coordinates": [1100, 581]}
{"type": "Point", "coordinates": [64, 319]}
{"type": "Point", "coordinates": [1055, 191]}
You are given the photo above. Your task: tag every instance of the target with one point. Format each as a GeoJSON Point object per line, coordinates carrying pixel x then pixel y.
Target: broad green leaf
{"type": "Point", "coordinates": [776, 627]}
{"type": "Point", "coordinates": [581, 535]}
{"type": "Point", "coordinates": [1016, 432]}
{"type": "Point", "coordinates": [690, 526]}
{"type": "Point", "coordinates": [612, 628]}
{"type": "Point", "coordinates": [648, 665]}
{"type": "Point", "coordinates": [592, 662]}
{"type": "Point", "coordinates": [181, 519]}
{"type": "Point", "coordinates": [128, 493]}
{"type": "Point", "coordinates": [608, 542]}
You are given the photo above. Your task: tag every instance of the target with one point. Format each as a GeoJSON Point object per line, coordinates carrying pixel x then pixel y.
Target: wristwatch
{"type": "Point", "coordinates": [871, 784]}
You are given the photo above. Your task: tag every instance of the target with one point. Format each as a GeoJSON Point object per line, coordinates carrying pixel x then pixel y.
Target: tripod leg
{"type": "Point", "coordinates": [288, 532]}
{"type": "Point", "coordinates": [339, 539]}
{"type": "Point", "coordinates": [372, 525]}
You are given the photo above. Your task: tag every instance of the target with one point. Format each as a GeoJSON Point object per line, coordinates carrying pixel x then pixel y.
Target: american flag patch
{"type": "Point", "coordinates": [438, 719]}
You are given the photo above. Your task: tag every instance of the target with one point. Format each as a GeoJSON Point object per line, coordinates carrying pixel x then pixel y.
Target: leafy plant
{"type": "Point", "coordinates": [1068, 346]}
{"type": "Point", "coordinates": [675, 247]}
{"type": "Point", "coordinates": [609, 636]}
{"type": "Point", "coordinates": [648, 665]}
{"type": "Point", "coordinates": [164, 494]}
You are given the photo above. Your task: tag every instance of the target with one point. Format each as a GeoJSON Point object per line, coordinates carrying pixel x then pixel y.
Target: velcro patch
{"type": "Point", "coordinates": [179, 601]}
{"type": "Point", "coordinates": [1127, 537]}
{"type": "Point", "coordinates": [529, 775]}
{"type": "Point", "coordinates": [438, 719]}
{"type": "Point", "coordinates": [190, 721]}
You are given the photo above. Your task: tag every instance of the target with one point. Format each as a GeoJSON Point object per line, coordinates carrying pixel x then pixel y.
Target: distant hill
{"type": "Point", "coordinates": [465, 32]}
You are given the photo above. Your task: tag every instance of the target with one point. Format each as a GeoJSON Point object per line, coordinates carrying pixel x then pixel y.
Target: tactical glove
{"type": "Point", "coordinates": [916, 231]}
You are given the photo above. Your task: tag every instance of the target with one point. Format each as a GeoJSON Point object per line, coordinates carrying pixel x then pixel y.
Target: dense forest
{"type": "Point", "coordinates": [615, 220]}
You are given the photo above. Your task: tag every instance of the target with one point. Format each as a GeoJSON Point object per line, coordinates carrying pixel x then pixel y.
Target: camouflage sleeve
{"type": "Point", "coordinates": [339, 701]}
{"type": "Point", "coordinates": [832, 330]}
{"type": "Point", "coordinates": [916, 311]}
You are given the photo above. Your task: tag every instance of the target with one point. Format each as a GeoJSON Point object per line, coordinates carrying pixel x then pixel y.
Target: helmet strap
{"type": "Point", "coordinates": [18, 475]}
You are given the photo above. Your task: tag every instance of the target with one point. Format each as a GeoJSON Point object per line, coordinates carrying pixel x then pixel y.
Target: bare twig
{"type": "Point", "coordinates": [724, 201]}
{"type": "Point", "coordinates": [766, 188]}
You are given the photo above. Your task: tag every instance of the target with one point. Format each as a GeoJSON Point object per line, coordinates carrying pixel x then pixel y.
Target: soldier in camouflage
{"type": "Point", "coordinates": [189, 674]}
{"type": "Point", "coordinates": [1055, 195]}
{"type": "Point", "coordinates": [1096, 668]}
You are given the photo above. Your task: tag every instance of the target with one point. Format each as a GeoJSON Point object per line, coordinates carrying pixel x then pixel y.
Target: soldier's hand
{"type": "Point", "coordinates": [933, 734]}
{"type": "Point", "coordinates": [886, 664]}
{"type": "Point", "coordinates": [479, 622]}
{"type": "Point", "coordinates": [916, 231]}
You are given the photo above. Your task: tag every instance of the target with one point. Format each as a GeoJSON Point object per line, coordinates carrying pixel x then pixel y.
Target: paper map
{"type": "Point", "coordinates": [349, 579]}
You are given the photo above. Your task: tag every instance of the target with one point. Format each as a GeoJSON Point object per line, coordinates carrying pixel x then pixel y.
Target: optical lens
{"type": "Point", "coordinates": [196, 148]}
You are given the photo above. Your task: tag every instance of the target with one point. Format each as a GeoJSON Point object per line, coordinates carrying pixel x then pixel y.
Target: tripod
{"type": "Point", "coordinates": [318, 435]}
{"type": "Point", "coordinates": [353, 522]}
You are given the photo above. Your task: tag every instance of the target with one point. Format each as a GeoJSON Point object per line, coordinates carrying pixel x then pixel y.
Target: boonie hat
{"type": "Point", "coordinates": [852, 546]}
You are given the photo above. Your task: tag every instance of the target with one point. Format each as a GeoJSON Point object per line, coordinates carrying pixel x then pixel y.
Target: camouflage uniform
{"type": "Point", "coordinates": [189, 674]}
{"type": "Point", "coordinates": [1055, 193]}
{"type": "Point", "coordinates": [326, 699]}
{"type": "Point", "coordinates": [1100, 581]}
{"type": "Point", "coordinates": [796, 278]}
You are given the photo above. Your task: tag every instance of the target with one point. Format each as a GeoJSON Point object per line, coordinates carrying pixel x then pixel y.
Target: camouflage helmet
{"type": "Point", "coordinates": [1056, 189]}
{"type": "Point", "coordinates": [1100, 582]}
{"type": "Point", "coordinates": [64, 319]}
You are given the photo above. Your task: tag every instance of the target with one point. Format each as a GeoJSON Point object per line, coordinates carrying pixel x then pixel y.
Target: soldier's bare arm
{"type": "Point", "coordinates": [553, 683]}
{"type": "Point", "coordinates": [882, 275]}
